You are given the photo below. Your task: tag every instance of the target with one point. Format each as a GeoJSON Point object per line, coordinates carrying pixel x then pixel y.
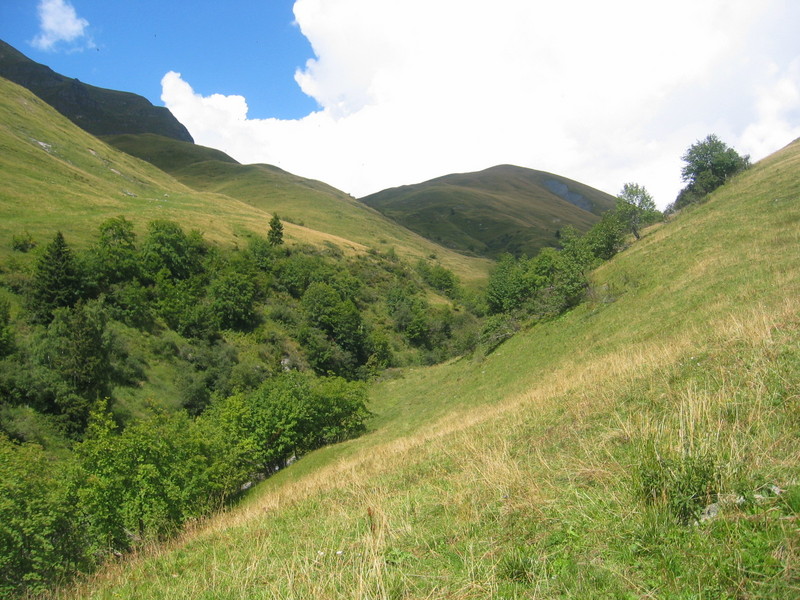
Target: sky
{"type": "Point", "coordinates": [370, 94]}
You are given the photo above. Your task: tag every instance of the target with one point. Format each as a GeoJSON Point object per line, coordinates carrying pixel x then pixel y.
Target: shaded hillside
{"type": "Point", "coordinates": [96, 110]}
{"type": "Point", "coordinates": [501, 209]}
{"type": "Point", "coordinates": [308, 202]}
{"type": "Point", "coordinates": [644, 445]}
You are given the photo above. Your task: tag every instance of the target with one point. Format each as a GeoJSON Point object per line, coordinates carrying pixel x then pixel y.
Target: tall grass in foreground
{"type": "Point", "coordinates": [579, 460]}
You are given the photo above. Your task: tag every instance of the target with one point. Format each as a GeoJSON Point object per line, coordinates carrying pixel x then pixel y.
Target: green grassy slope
{"type": "Point", "coordinates": [501, 209]}
{"type": "Point", "coordinates": [297, 199]}
{"type": "Point", "coordinates": [558, 466]}
{"type": "Point", "coordinates": [57, 176]}
{"type": "Point", "coordinates": [97, 110]}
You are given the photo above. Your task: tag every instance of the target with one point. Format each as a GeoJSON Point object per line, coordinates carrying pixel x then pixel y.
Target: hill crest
{"type": "Point", "coordinates": [504, 208]}
{"type": "Point", "coordinates": [97, 110]}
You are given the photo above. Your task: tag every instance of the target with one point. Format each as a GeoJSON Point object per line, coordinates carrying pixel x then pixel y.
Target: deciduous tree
{"type": "Point", "coordinates": [709, 164]}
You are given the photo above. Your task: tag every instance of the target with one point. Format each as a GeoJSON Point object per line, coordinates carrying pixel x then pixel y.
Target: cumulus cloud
{"type": "Point", "coordinates": [778, 112]}
{"type": "Point", "coordinates": [602, 92]}
{"type": "Point", "coordinates": [58, 22]}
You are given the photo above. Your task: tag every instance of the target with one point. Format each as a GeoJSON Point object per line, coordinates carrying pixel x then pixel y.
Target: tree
{"type": "Point", "coordinates": [57, 281]}
{"type": "Point", "coordinates": [114, 254]}
{"type": "Point", "coordinates": [507, 288]}
{"type": "Point", "coordinates": [77, 350]}
{"type": "Point", "coordinates": [167, 247]}
{"type": "Point", "coordinates": [275, 235]}
{"type": "Point", "coordinates": [635, 207]}
{"type": "Point", "coordinates": [709, 164]}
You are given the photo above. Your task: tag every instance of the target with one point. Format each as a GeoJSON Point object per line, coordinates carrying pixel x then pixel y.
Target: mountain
{"type": "Point", "coordinates": [96, 110]}
{"type": "Point", "coordinates": [501, 209]}
{"type": "Point", "coordinates": [299, 200]}
{"type": "Point", "coordinates": [564, 464]}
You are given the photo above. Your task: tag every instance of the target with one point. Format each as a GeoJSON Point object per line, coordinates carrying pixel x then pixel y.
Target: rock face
{"type": "Point", "coordinates": [96, 110]}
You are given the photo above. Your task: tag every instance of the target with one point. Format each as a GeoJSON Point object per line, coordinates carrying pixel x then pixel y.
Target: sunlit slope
{"type": "Point", "coordinates": [55, 176]}
{"type": "Point", "coordinates": [500, 209]}
{"type": "Point", "coordinates": [296, 199]}
{"type": "Point", "coordinates": [524, 474]}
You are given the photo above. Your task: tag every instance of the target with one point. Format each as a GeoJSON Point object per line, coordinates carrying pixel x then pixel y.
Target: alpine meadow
{"type": "Point", "coordinates": [227, 381]}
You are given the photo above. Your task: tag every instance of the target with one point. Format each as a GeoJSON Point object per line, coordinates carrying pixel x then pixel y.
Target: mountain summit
{"type": "Point", "coordinates": [96, 110]}
{"type": "Point", "coordinates": [500, 209]}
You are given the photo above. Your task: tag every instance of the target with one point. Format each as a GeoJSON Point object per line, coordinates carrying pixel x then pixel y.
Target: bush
{"type": "Point", "coordinates": [22, 242]}
{"type": "Point", "coordinates": [683, 483]}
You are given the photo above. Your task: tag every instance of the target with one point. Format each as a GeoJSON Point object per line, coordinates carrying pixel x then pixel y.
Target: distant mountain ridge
{"type": "Point", "coordinates": [501, 209]}
{"type": "Point", "coordinates": [96, 110]}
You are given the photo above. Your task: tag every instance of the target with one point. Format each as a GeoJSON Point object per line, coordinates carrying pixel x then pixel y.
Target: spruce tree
{"type": "Point", "coordinates": [275, 235]}
{"type": "Point", "coordinates": [57, 281]}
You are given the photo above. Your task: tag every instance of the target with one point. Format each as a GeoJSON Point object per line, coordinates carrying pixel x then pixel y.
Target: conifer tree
{"type": "Point", "coordinates": [57, 281]}
{"type": "Point", "coordinates": [275, 235]}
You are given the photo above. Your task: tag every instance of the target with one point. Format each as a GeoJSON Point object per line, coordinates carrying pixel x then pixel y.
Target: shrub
{"type": "Point", "coordinates": [683, 483]}
{"type": "Point", "coordinates": [22, 242]}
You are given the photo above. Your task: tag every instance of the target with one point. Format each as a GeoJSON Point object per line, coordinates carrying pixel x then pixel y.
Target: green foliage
{"type": "Point", "coordinates": [547, 284]}
{"type": "Point", "coordinates": [635, 208]}
{"type": "Point", "coordinates": [507, 288]}
{"type": "Point", "coordinates": [297, 271]}
{"type": "Point", "coordinates": [6, 331]}
{"type": "Point", "coordinates": [144, 482]}
{"type": "Point", "coordinates": [709, 164]}
{"type": "Point", "coordinates": [607, 237]}
{"type": "Point", "coordinates": [40, 534]}
{"type": "Point", "coordinates": [57, 280]}
{"type": "Point", "coordinates": [275, 234]}
{"type": "Point", "coordinates": [76, 350]}
{"type": "Point", "coordinates": [293, 414]}
{"type": "Point", "coordinates": [233, 296]}
{"type": "Point", "coordinates": [168, 248]}
{"type": "Point", "coordinates": [23, 242]}
{"type": "Point", "coordinates": [683, 483]}
{"type": "Point", "coordinates": [497, 329]}
{"type": "Point", "coordinates": [438, 277]}
{"type": "Point", "coordinates": [113, 258]}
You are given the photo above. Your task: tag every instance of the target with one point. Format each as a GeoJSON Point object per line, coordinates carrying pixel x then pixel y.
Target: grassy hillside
{"type": "Point", "coordinates": [97, 110]}
{"type": "Point", "coordinates": [57, 176]}
{"type": "Point", "coordinates": [501, 209]}
{"type": "Point", "coordinates": [296, 199]}
{"type": "Point", "coordinates": [573, 462]}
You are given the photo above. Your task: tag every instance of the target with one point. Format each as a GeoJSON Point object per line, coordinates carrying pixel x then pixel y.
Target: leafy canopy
{"type": "Point", "coordinates": [709, 164]}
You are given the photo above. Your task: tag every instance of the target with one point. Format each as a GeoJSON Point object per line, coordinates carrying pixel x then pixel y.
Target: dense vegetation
{"type": "Point", "coordinates": [87, 322]}
{"type": "Point", "coordinates": [258, 346]}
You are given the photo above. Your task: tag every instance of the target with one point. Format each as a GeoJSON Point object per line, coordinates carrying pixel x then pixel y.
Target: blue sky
{"type": "Point", "coordinates": [370, 94]}
{"type": "Point", "coordinates": [234, 47]}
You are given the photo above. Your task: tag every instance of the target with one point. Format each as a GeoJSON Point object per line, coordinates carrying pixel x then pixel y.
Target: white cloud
{"type": "Point", "coordinates": [602, 92]}
{"type": "Point", "coordinates": [58, 22]}
{"type": "Point", "coordinates": [778, 112]}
